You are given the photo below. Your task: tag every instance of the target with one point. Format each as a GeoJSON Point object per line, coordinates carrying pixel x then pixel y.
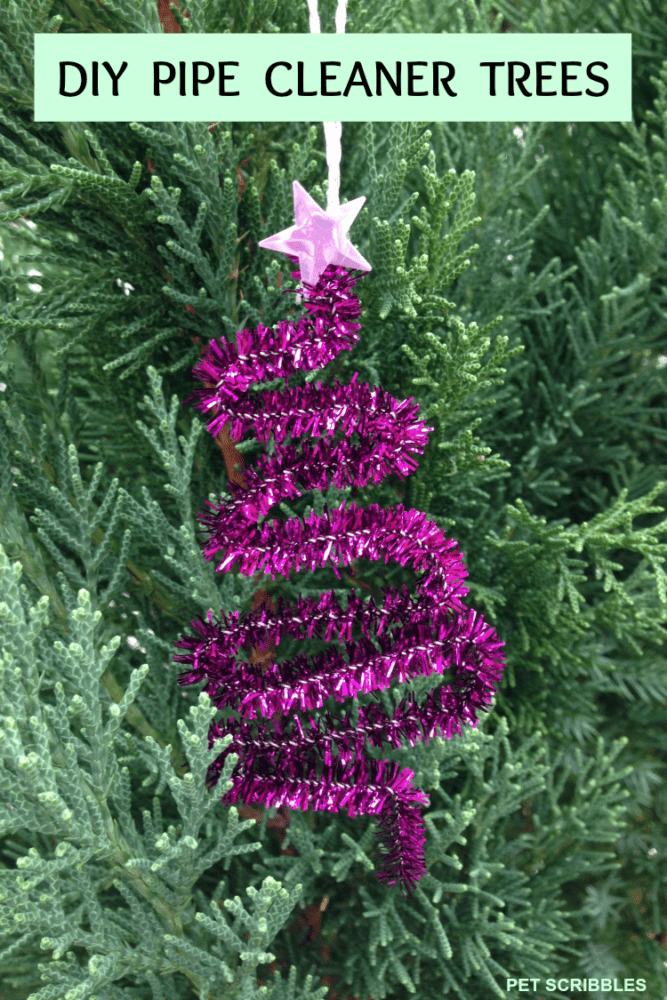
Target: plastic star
{"type": "Point", "coordinates": [319, 238]}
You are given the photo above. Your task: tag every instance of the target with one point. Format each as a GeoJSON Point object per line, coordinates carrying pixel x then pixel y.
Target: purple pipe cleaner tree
{"type": "Point", "coordinates": [286, 757]}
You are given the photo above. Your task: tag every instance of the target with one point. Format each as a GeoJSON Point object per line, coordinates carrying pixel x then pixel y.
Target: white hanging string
{"type": "Point", "coordinates": [313, 17]}
{"type": "Point", "coordinates": [332, 130]}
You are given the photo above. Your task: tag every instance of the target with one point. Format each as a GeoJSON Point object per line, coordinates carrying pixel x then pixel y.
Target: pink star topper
{"type": "Point", "coordinates": [319, 237]}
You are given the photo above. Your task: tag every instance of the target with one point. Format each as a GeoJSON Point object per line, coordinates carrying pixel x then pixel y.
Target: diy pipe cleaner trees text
{"type": "Point", "coordinates": [284, 756]}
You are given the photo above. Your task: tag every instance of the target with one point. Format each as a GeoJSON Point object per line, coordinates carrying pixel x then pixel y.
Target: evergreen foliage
{"type": "Point", "coordinates": [518, 293]}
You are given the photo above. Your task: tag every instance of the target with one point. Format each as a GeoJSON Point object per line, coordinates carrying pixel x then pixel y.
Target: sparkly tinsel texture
{"type": "Point", "coordinates": [286, 757]}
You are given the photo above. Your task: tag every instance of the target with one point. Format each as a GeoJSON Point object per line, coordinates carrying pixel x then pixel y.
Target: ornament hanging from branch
{"type": "Point", "coordinates": [285, 756]}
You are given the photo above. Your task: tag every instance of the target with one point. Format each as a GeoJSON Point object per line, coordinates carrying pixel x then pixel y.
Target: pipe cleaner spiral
{"type": "Point", "coordinates": [362, 434]}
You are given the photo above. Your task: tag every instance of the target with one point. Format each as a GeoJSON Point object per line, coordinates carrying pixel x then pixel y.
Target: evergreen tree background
{"type": "Point", "coordinates": [518, 292]}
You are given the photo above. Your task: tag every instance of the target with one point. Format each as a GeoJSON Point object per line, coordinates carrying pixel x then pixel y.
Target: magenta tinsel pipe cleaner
{"type": "Point", "coordinates": [301, 762]}
{"type": "Point", "coordinates": [307, 761]}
